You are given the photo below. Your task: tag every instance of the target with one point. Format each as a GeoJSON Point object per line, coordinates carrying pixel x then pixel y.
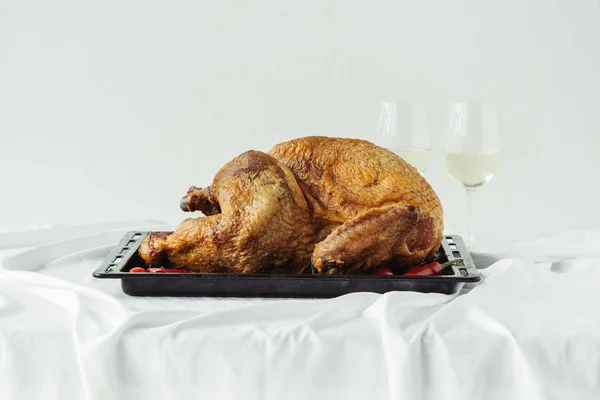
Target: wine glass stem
{"type": "Point", "coordinates": [470, 203]}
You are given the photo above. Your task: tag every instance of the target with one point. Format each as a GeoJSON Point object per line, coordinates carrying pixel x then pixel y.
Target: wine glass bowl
{"type": "Point", "coordinates": [472, 169]}
{"type": "Point", "coordinates": [403, 129]}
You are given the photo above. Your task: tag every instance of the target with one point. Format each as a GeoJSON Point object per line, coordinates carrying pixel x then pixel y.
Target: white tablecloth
{"type": "Point", "coordinates": [530, 330]}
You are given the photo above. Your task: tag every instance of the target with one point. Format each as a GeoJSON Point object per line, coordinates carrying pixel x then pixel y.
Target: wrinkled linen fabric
{"type": "Point", "coordinates": [530, 330]}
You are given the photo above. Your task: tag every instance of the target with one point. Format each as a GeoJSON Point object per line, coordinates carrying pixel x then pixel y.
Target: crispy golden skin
{"type": "Point", "coordinates": [342, 205]}
{"type": "Point", "coordinates": [379, 205]}
{"type": "Point", "coordinates": [257, 218]}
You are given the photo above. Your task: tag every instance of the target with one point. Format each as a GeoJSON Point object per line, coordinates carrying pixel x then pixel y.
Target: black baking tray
{"type": "Point", "coordinates": [124, 257]}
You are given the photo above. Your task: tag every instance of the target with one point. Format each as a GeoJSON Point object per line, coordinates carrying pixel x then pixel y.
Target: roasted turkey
{"type": "Point", "coordinates": [338, 205]}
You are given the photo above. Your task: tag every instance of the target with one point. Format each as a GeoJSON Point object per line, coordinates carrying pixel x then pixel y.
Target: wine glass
{"type": "Point", "coordinates": [472, 150]}
{"type": "Point", "coordinates": [403, 129]}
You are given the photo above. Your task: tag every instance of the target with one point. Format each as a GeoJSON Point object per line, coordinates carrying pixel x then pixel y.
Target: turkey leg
{"type": "Point", "coordinates": [376, 236]}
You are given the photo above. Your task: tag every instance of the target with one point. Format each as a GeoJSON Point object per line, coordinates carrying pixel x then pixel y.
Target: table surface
{"type": "Point", "coordinates": [529, 330]}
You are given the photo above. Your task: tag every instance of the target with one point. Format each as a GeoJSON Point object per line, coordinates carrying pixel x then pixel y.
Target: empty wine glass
{"type": "Point", "coordinates": [403, 129]}
{"type": "Point", "coordinates": [472, 150]}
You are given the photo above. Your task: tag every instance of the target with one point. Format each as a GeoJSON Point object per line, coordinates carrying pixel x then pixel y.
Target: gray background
{"type": "Point", "coordinates": [110, 110]}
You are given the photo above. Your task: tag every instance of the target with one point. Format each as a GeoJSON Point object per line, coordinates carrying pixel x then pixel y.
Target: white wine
{"type": "Point", "coordinates": [473, 170]}
{"type": "Point", "coordinates": [417, 157]}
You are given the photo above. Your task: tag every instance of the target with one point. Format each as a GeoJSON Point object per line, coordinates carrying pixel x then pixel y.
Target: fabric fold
{"type": "Point", "coordinates": [529, 330]}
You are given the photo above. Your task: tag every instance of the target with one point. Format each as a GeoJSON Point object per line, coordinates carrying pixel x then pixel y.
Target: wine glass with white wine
{"type": "Point", "coordinates": [472, 149]}
{"type": "Point", "coordinates": [403, 129]}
